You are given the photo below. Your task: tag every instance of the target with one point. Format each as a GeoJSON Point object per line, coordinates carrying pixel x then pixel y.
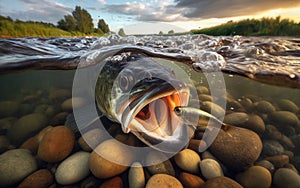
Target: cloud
{"type": "Point", "coordinates": [183, 10]}
{"type": "Point", "coordinates": [42, 10]}
{"type": "Point", "coordinates": [225, 8]}
{"type": "Point", "coordinates": [103, 2]}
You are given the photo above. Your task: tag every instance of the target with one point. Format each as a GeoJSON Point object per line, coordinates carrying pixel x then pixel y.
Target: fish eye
{"type": "Point", "coordinates": [125, 82]}
{"type": "Point", "coordinates": [177, 110]}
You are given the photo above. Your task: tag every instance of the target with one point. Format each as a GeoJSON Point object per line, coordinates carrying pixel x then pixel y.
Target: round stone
{"type": "Point", "coordinates": [31, 144]}
{"type": "Point", "coordinates": [221, 182]}
{"type": "Point", "coordinates": [136, 177]}
{"type": "Point", "coordinates": [26, 127]}
{"type": "Point", "coordinates": [104, 163]}
{"type": "Point", "coordinates": [40, 178]}
{"type": "Point", "coordinates": [285, 177]}
{"type": "Point", "coordinates": [255, 123]}
{"type": "Point", "coordinates": [236, 118]}
{"type": "Point", "coordinates": [56, 144]}
{"type": "Point", "coordinates": [164, 167]}
{"type": "Point", "coordinates": [287, 105]}
{"type": "Point", "coordinates": [15, 165]}
{"type": "Point", "coordinates": [75, 102]}
{"type": "Point", "coordinates": [188, 160]}
{"type": "Point", "coordinates": [213, 108]}
{"type": "Point", "coordinates": [190, 180]}
{"type": "Point", "coordinates": [272, 147]}
{"type": "Point", "coordinates": [91, 139]}
{"type": "Point", "coordinates": [163, 181]}
{"type": "Point", "coordinates": [242, 145]}
{"type": "Point", "coordinates": [8, 108]}
{"type": "Point", "coordinates": [210, 168]}
{"type": "Point", "coordinates": [73, 168]}
{"type": "Point", "coordinates": [4, 143]}
{"type": "Point", "coordinates": [264, 107]}
{"type": "Point", "coordinates": [266, 164]}
{"type": "Point", "coordinates": [284, 118]}
{"type": "Point", "coordinates": [278, 160]}
{"type": "Point", "coordinates": [255, 176]}
{"type": "Point", "coordinates": [115, 182]}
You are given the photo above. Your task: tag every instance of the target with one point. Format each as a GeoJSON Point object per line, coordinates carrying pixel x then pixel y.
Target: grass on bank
{"type": "Point", "coordinates": [13, 29]}
{"type": "Point", "coordinates": [254, 27]}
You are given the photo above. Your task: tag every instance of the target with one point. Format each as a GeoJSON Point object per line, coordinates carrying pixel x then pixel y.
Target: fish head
{"type": "Point", "coordinates": [145, 95]}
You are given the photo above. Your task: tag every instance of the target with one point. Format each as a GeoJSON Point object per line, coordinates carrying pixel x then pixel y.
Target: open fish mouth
{"type": "Point", "coordinates": [150, 116]}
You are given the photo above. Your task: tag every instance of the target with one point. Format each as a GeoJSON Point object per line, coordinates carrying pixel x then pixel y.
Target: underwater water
{"type": "Point", "coordinates": [260, 147]}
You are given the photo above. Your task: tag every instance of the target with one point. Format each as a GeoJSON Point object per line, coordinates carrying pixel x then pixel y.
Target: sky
{"type": "Point", "coordinates": [152, 16]}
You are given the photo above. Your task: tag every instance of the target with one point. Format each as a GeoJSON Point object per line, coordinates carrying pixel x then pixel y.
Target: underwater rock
{"type": "Point", "coordinates": [75, 102]}
{"type": "Point", "coordinates": [213, 108]}
{"type": "Point", "coordinates": [205, 97]}
{"type": "Point", "coordinates": [287, 105]}
{"type": "Point", "coordinates": [284, 118]}
{"type": "Point", "coordinates": [8, 108]}
{"type": "Point", "coordinates": [210, 168]}
{"type": "Point", "coordinates": [195, 144]}
{"type": "Point", "coordinates": [48, 110]}
{"type": "Point", "coordinates": [236, 118]}
{"type": "Point", "coordinates": [164, 167]}
{"type": "Point", "coordinates": [25, 127]}
{"type": "Point", "coordinates": [237, 148]}
{"type": "Point", "coordinates": [115, 182]}
{"type": "Point", "coordinates": [266, 164]}
{"type": "Point", "coordinates": [73, 168]}
{"type": "Point", "coordinates": [285, 177]}
{"type": "Point", "coordinates": [57, 144]}
{"type": "Point", "coordinates": [188, 160]}
{"type": "Point", "coordinates": [272, 147]}
{"type": "Point", "coordinates": [59, 119]}
{"type": "Point", "coordinates": [31, 144]}
{"type": "Point", "coordinates": [162, 181]}
{"type": "Point", "coordinates": [136, 177]}
{"type": "Point", "coordinates": [202, 90]}
{"type": "Point", "coordinates": [264, 107]}
{"type": "Point", "coordinates": [6, 124]}
{"type": "Point", "coordinates": [41, 178]}
{"type": "Point", "coordinates": [190, 180]}
{"type": "Point", "coordinates": [4, 143]}
{"type": "Point", "coordinates": [91, 139]}
{"type": "Point", "coordinates": [255, 176]}
{"type": "Point", "coordinates": [111, 149]}
{"type": "Point", "coordinates": [221, 182]}
{"type": "Point", "coordinates": [255, 123]}
{"type": "Point", "coordinates": [56, 94]}
{"type": "Point", "coordinates": [15, 165]}
{"type": "Point", "coordinates": [278, 160]}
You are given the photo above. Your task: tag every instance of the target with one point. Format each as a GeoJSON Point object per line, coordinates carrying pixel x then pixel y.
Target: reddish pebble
{"type": "Point", "coordinates": [115, 182]}
{"type": "Point", "coordinates": [57, 144]}
{"type": "Point", "coordinates": [190, 180]}
{"type": "Point", "coordinates": [39, 179]}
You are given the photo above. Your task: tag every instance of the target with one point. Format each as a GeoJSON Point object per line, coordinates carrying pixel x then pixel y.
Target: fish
{"type": "Point", "coordinates": [187, 113]}
{"type": "Point", "coordinates": [140, 94]}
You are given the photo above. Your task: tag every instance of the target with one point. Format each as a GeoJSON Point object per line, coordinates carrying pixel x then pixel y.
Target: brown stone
{"type": "Point", "coordinates": [31, 144]}
{"type": "Point", "coordinates": [221, 182]}
{"type": "Point", "coordinates": [237, 148]}
{"type": "Point", "coordinates": [109, 159]}
{"type": "Point", "coordinates": [39, 179]}
{"type": "Point", "coordinates": [278, 160]}
{"type": "Point", "coordinates": [190, 180]}
{"type": "Point", "coordinates": [115, 182]}
{"type": "Point", "coordinates": [163, 181]}
{"type": "Point", "coordinates": [57, 144]}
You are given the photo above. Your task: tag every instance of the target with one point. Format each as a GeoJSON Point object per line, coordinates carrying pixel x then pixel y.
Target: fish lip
{"type": "Point", "coordinates": [153, 93]}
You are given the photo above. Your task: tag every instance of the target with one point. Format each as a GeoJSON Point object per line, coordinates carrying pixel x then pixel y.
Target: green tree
{"type": "Point", "coordinates": [161, 33]}
{"type": "Point", "coordinates": [84, 21]}
{"type": "Point", "coordinates": [122, 32]}
{"type": "Point", "coordinates": [68, 23]}
{"type": "Point", "coordinates": [171, 32]}
{"type": "Point", "coordinates": [103, 26]}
